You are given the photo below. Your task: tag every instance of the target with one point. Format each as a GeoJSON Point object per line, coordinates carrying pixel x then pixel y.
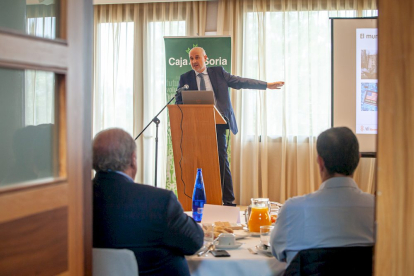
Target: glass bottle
{"type": "Point", "coordinates": [199, 197]}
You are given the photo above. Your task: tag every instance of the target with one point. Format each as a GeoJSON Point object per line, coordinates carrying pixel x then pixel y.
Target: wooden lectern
{"type": "Point", "coordinates": [199, 150]}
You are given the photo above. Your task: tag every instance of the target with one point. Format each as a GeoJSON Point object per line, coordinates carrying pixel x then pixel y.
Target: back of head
{"type": "Point", "coordinates": [112, 150]}
{"type": "Point", "coordinates": [339, 149]}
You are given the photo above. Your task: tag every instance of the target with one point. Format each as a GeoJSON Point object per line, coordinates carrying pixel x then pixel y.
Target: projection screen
{"type": "Point", "coordinates": [355, 78]}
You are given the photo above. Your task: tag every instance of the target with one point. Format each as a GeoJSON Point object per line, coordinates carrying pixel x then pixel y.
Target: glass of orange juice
{"type": "Point", "coordinates": [259, 215]}
{"type": "Point", "coordinates": [273, 217]}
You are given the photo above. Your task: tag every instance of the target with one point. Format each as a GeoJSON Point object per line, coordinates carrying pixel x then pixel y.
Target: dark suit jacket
{"type": "Point", "coordinates": [221, 81]}
{"type": "Point", "coordinates": [147, 220]}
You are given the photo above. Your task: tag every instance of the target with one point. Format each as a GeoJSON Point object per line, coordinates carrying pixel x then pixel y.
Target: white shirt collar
{"type": "Point", "coordinates": [336, 182]}
{"type": "Point", "coordinates": [124, 174]}
{"type": "Point", "coordinates": [204, 72]}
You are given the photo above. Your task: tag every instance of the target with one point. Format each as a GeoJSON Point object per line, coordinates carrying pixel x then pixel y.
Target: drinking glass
{"type": "Point", "coordinates": [265, 232]}
{"type": "Point", "coordinates": [208, 229]}
{"type": "Point", "coordinates": [273, 217]}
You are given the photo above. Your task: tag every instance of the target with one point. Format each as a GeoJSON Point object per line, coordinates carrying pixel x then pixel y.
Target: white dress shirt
{"type": "Point", "coordinates": [209, 86]}
{"type": "Point", "coordinates": [338, 214]}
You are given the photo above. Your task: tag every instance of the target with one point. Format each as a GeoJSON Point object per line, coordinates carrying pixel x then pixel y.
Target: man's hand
{"type": "Point", "coordinates": [275, 85]}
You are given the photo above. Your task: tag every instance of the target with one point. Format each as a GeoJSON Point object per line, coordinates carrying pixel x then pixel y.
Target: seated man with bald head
{"type": "Point", "coordinates": [144, 219]}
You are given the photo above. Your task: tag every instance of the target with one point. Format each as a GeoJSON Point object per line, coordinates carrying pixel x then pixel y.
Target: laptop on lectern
{"type": "Point", "coordinates": [197, 97]}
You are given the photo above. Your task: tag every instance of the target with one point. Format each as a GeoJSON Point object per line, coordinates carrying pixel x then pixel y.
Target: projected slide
{"type": "Point", "coordinates": [355, 78]}
{"type": "Point", "coordinates": [366, 81]}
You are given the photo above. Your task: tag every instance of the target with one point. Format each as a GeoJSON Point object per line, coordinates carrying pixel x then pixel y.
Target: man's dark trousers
{"type": "Point", "coordinates": [225, 174]}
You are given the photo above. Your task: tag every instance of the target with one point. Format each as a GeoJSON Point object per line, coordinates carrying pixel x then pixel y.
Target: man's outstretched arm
{"type": "Point", "coordinates": [237, 82]}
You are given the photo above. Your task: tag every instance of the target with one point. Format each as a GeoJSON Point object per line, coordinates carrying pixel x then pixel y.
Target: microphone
{"type": "Point", "coordinates": [184, 87]}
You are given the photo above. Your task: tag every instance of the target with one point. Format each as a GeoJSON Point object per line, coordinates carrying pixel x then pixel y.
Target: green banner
{"type": "Point", "coordinates": [218, 50]}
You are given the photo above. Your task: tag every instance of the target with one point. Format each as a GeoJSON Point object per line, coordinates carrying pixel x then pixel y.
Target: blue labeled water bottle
{"type": "Point", "coordinates": [199, 197]}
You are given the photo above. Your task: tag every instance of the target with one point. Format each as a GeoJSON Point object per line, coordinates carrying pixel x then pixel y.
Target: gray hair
{"type": "Point", "coordinates": [204, 51]}
{"type": "Point", "coordinates": [112, 150]}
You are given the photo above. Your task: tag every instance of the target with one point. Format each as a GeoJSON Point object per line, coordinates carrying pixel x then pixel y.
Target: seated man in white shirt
{"type": "Point", "coordinates": [339, 214]}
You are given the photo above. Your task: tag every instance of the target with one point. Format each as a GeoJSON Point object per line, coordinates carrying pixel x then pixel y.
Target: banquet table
{"type": "Point", "coordinates": [241, 262]}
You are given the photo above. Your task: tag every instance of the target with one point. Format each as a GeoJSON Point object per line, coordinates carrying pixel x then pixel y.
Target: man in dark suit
{"type": "Point", "coordinates": [144, 219]}
{"type": "Point", "coordinates": [218, 80]}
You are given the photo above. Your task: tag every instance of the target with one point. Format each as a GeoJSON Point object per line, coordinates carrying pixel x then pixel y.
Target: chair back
{"type": "Point", "coordinates": [332, 261]}
{"type": "Point", "coordinates": [114, 262]}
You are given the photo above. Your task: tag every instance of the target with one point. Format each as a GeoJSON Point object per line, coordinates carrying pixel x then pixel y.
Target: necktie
{"type": "Point", "coordinates": [202, 82]}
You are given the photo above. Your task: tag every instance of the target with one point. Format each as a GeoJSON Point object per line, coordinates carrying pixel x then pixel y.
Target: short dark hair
{"type": "Point", "coordinates": [339, 149]}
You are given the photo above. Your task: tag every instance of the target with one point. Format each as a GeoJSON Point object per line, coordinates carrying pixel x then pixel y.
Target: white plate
{"type": "Point", "coordinates": [267, 251]}
{"type": "Point", "coordinates": [240, 234]}
{"type": "Point", "coordinates": [237, 245]}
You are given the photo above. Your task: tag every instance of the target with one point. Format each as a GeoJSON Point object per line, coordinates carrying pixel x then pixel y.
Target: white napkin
{"type": "Point", "coordinates": [213, 213]}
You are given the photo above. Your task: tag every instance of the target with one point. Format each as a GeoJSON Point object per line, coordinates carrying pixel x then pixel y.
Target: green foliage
{"type": "Point", "coordinates": [188, 49]}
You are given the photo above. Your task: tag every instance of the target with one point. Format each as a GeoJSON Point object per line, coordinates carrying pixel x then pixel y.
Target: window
{"type": "Point", "coordinates": [115, 68]}
{"type": "Point", "coordinates": [155, 98]}
{"type": "Point", "coordinates": [119, 99]}
{"type": "Point", "coordinates": [295, 47]}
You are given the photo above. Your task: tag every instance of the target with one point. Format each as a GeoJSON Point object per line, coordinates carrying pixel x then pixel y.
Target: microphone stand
{"type": "Point", "coordinates": [157, 122]}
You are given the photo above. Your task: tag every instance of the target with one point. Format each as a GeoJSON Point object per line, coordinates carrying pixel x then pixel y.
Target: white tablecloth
{"type": "Point", "coordinates": [241, 262]}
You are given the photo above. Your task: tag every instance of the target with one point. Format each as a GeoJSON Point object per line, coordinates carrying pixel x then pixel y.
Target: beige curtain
{"type": "Point", "coordinates": [274, 154]}
{"type": "Point", "coordinates": [129, 72]}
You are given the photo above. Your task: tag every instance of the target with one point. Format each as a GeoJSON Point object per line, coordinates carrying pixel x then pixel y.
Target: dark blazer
{"type": "Point", "coordinates": [221, 81]}
{"type": "Point", "coordinates": [147, 220]}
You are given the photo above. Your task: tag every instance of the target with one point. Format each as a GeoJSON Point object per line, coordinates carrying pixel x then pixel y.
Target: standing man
{"type": "Point", "coordinates": [339, 214]}
{"type": "Point", "coordinates": [147, 220]}
{"type": "Point", "coordinates": [218, 80]}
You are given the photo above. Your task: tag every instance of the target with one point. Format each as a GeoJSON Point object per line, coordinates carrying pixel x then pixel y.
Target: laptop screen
{"type": "Point", "coordinates": [197, 97]}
